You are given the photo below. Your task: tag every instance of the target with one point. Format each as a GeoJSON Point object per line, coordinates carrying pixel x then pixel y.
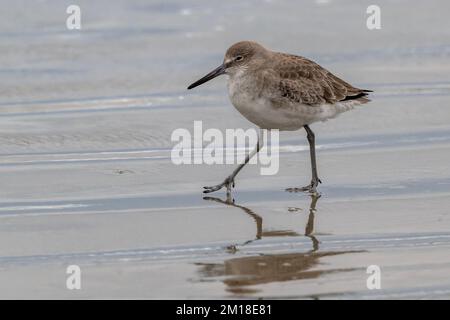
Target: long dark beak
{"type": "Point", "coordinates": [216, 72]}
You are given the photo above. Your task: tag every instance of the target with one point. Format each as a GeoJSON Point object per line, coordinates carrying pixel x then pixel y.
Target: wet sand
{"type": "Point", "coordinates": [87, 177]}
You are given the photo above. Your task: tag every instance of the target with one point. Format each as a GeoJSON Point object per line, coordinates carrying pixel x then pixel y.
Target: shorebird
{"type": "Point", "coordinates": [282, 91]}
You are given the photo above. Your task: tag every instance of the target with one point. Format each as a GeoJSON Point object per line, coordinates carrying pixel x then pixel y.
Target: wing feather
{"type": "Point", "coordinates": [303, 81]}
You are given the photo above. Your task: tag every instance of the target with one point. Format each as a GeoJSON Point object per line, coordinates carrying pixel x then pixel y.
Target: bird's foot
{"type": "Point", "coordinates": [311, 188]}
{"type": "Point", "coordinates": [228, 183]}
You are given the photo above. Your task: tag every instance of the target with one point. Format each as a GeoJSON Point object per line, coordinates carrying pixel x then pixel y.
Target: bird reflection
{"type": "Point", "coordinates": [310, 224]}
{"type": "Point", "coordinates": [260, 233]}
{"type": "Point", "coordinates": [243, 272]}
{"type": "Point", "coordinates": [258, 220]}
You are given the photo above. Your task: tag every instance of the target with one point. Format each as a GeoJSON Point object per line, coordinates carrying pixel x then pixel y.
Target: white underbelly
{"type": "Point", "coordinates": [290, 117]}
{"type": "Point", "coordinates": [264, 115]}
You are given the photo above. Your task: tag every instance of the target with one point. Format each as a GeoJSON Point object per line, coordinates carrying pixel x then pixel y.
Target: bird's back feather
{"type": "Point", "coordinates": [303, 81]}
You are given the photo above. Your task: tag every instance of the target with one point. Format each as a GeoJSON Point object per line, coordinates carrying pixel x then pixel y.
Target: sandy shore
{"type": "Point", "coordinates": [87, 177]}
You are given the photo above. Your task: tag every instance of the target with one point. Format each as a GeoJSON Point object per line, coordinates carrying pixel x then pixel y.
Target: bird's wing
{"type": "Point", "coordinates": [303, 81]}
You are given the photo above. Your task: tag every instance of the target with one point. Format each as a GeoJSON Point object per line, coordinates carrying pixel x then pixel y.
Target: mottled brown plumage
{"type": "Point", "coordinates": [304, 81]}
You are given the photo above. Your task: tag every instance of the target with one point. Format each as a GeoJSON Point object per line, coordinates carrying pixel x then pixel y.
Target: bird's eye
{"type": "Point", "coordinates": [239, 58]}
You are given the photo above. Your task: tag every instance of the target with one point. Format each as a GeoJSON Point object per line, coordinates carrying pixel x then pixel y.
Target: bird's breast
{"type": "Point", "coordinates": [257, 107]}
{"type": "Point", "coordinates": [242, 95]}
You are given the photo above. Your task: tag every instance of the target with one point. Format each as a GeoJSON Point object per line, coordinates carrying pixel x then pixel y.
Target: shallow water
{"type": "Point", "coordinates": [85, 124]}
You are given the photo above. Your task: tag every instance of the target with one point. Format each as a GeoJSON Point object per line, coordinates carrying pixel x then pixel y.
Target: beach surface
{"type": "Point", "coordinates": [86, 119]}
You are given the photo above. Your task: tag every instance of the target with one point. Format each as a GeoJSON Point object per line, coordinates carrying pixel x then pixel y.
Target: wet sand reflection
{"type": "Point", "coordinates": [243, 272]}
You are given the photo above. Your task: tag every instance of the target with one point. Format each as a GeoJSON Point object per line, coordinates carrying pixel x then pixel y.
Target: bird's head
{"type": "Point", "coordinates": [237, 59]}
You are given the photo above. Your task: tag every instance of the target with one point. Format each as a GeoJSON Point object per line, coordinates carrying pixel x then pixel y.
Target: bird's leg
{"type": "Point", "coordinates": [312, 151]}
{"type": "Point", "coordinates": [229, 181]}
{"type": "Point", "coordinates": [311, 188]}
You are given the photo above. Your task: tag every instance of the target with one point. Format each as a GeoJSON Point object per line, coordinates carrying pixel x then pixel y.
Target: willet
{"type": "Point", "coordinates": [281, 91]}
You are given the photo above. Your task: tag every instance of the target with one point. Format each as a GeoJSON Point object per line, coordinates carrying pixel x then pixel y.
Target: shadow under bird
{"type": "Point", "coordinates": [282, 91]}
